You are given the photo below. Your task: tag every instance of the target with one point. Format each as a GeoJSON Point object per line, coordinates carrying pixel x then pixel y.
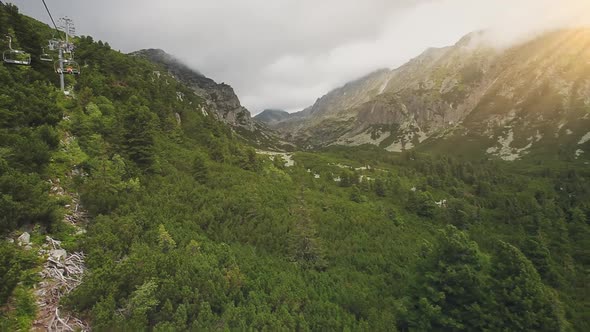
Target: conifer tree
{"type": "Point", "coordinates": [450, 287]}
{"type": "Point", "coordinates": [521, 301]}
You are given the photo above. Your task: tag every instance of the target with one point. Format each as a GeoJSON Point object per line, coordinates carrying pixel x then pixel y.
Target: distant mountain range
{"type": "Point", "coordinates": [470, 98]}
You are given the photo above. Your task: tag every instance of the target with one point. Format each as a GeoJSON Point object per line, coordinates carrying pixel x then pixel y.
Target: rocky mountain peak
{"type": "Point", "coordinates": [221, 98]}
{"type": "Point", "coordinates": [473, 39]}
{"type": "Point", "coordinates": [272, 116]}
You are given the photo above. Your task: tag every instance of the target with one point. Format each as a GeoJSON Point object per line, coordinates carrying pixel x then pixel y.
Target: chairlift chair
{"type": "Point", "coordinates": [54, 44]}
{"type": "Point", "coordinates": [15, 57]}
{"type": "Point", "coordinates": [46, 56]}
{"type": "Point", "coordinates": [70, 67]}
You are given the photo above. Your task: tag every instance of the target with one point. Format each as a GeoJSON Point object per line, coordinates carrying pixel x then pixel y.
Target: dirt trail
{"type": "Point", "coordinates": [62, 271]}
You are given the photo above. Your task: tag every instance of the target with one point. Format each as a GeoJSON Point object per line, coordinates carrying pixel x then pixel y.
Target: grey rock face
{"type": "Point", "coordinates": [221, 98]}
{"type": "Point", "coordinates": [24, 239]}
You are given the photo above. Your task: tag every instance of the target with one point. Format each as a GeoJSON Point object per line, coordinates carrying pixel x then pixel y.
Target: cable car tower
{"type": "Point", "coordinates": [65, 65]}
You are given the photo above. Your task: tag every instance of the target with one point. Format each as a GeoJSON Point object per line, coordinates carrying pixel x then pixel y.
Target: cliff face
{"type": "Point", "coordinates": [221, 98]}
{"type": "Point", "coordinates": [505, 103]}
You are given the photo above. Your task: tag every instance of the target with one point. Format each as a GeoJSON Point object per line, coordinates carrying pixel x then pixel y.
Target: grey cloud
{"type": "Point", "coordinates": [286, 53]}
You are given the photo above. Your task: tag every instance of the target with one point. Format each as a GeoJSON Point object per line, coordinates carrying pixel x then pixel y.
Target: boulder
{"type": "Point", "coordinates": [58, 254]}
{"type": "Point", "coordinates": [24, 239]}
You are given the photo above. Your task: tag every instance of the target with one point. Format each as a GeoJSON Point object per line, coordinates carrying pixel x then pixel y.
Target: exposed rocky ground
{"type": "Point", "coordinates": [62, 273]}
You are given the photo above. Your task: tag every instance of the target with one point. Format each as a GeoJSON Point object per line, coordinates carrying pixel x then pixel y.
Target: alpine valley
{"type": "Point", "coordinates": [450, 194]}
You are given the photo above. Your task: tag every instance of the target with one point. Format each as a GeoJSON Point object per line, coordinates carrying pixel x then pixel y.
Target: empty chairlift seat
{"type": "Point", "coordinates": [46, 57]}
{"type": "Point", "coordinates": [15, 57]}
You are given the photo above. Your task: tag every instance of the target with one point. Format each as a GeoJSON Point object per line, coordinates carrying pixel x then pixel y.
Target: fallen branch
{"type": "Point", "coordinates": [61, 321]}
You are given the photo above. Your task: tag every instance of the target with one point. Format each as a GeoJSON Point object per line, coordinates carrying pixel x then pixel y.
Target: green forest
{"type": "Point", "coordinates": [190, 229]}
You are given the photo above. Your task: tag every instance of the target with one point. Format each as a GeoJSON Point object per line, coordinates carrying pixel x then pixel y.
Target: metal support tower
{"type": "Point", "coordinates": [67, 25]}
{"type": "Point", "coordinates": [61, 70]}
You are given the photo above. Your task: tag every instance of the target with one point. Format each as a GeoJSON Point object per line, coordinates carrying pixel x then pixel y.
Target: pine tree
{"type": "Point", "coordinates": [165, 241]}
{"type": "Point", "coordinates": [356, 195]}
{"type": "Point", "coordinates": [139, 136]}
{"type": "Point", "coordinates": [450, 288]}
{"type": "Point", "coordinates": [200, 170]}
{"type": "Point", "coordinates": [522, 302]}
{"type": "Point", "coordinates": [379, 187]}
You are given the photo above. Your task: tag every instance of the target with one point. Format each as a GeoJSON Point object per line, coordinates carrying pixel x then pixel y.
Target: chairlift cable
{"type": "Point", "coordinates": [50, 16]}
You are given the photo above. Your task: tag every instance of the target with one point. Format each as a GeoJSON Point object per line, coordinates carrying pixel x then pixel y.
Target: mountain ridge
{"type": "Point", "coordinates": [220, 97]}
{"type": "Point", "coordinates": [270, 116]}
{"type": "Point", "coordinates": [433, 94]}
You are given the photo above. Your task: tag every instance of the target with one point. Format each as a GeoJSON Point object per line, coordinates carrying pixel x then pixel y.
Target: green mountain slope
{"type": "Point", "coordinates": [190, 229]}
{"type": "Point", "coordinates": [528, 100]}
{"type": "Point", "coordinates": [220, 100]}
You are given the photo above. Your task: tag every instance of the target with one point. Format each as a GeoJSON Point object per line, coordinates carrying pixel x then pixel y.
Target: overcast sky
{"type": "Point", "coordinates": [286, 53]}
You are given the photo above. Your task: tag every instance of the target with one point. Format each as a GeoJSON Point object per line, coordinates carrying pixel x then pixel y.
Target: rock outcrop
{"type": "Point", "coordinates": [220, 98]}
{"type": "Point", "coordinates": [24, 239]}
